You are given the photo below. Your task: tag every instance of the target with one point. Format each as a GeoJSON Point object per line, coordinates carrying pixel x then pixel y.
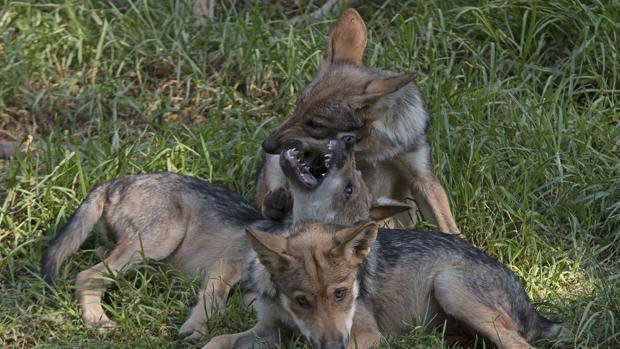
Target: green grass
{"type": "Point", "coordinates": [525, 99]}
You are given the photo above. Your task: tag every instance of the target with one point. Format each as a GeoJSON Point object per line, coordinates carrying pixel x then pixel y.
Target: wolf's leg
{"type": "Point", "coordinates": [90, 283]}
{"type": "Point", "coordinates": [364, 332]}
{"type": "Point", "coordinates": [457, 301]}
{"type": "Point", "coordinates": [428, 193]}
{"type": "Point", "coordinates": [212, 296]}
{"type": "Point", "coordinates": [258, 336]}
{"type": "Point", "coordinates": [272, 196]}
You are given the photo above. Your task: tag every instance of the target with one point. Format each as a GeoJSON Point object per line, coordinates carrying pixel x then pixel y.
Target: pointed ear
{"type": "Point", "coordinates": [270, 249]}
{"type": "Point", "coordinates": [383, 208]}
{"type": "Point", "coordinates": [353, 243]}
{"type": "Point", "coordinates": [347, 40]}
{"type": "Point", "coordinates": [375, 89]}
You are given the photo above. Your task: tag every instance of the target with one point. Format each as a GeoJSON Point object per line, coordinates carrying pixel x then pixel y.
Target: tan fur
{"type": "Point", "coordinates": [432, 281]}
{"type": "Point", "coordinates": [365, 332]}
{"type": "Point", "coordinates": [258, 336]}
{"type": "Point", "coordinates": [329, 203]}
{"type": "Point", "coordinates": [90, 283]}
{"type": "Point", "coordinates": [190, 224]}
{"type": "Point", "coordinates": [382, 110]}
{"type": "Point", "coordinates": [212, 297]}
{"type": "Point", "coordinates": [310, 265]}
{"type": "Point", "coordinates": [194, 252]}
{"type": "Point", "coordinates": [348, 39]}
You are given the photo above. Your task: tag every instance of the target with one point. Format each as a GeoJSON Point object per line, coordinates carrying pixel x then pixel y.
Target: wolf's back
{"type": "Point", "coordinates": [73, 234]}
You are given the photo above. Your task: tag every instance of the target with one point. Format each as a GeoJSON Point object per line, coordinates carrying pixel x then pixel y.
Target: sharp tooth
{"type": "Point", "coordinates": [331, 144]}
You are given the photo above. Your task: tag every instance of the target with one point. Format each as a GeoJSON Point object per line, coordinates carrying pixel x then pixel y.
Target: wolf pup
{"type": "Point", "coordinates": [383, 111]}
{"type": "Point", "coordinates": [196, 227]}
{"type": "Point", "coordinates": [349, 286]}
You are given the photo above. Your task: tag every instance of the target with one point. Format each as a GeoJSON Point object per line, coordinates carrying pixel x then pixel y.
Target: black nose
{"type": "Point", "coordinates": [270, 146]}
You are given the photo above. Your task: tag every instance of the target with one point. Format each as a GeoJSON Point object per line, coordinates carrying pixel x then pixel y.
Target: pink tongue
{"type": "Point", "coordinates": [308, 179]}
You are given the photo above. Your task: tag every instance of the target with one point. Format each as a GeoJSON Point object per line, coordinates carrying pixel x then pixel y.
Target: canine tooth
{"type": "Point", "coordinates": [331, 144]}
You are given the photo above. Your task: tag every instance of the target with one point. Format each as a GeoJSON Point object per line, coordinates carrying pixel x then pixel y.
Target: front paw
{"type": "Point", "coordinates": [277, 204]}
{"type": "Point", "coordinates": [219, 342]}
{"type": "Point", "coordinates": [193, 330]}
{"type": "Point", "coordinates": [99, 321]}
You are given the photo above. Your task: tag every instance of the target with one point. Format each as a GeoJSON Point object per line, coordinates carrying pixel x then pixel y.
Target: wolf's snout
{"type": "Point", "coordinates": [270, 145]}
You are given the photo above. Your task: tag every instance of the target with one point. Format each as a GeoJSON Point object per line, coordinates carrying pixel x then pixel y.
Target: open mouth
{"type": "Point", "coordinates": [309, 167]}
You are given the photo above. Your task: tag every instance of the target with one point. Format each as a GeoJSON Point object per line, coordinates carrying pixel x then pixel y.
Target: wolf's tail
{"type": "Point", "coordinates": [544, 328]}
{"type": "Point", "coordinates": [73, 233]}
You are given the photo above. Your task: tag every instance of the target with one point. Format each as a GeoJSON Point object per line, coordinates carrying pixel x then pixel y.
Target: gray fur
{"type": "Point", "coordinates": [73, 234]}
{"type": "Point", "coordinates": [189, 223]}
{"type": "Point", "coordinates": [140, 206]}
{"type": "Point", "coordinates": [386, 114]}
{"type": "Point", "coordinates": [443, 264]}
{"type": "Point", "coordinates": [409, 279]}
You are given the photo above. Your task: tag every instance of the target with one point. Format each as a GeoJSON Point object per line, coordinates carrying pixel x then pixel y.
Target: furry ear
{"type": "Point", "coordinates": [347, 40]}
{"type": "Point", "coordinates": [375, 89]}
{"type": "Point", "coordinates": [270, 249]}
{"type": "Point", "coordinates": [353, 243]}
{"type": "Point", "coordinates": [383, 208]}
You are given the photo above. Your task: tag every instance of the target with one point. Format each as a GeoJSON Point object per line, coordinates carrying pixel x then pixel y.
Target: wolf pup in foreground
{"type": "Point", "coordinates": [198, 228]}
{"type": "Point", "coordinates": [345, 287]}
{"type": "Point", "coordinates": [383, 111]}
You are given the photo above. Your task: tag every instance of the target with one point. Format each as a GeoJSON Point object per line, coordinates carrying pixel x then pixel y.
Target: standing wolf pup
{"type": "Point", "coordinates": [199, 228]}
{"type": "Point", "coordinates": [349, 286]}
{"type": "Point", "coordinates": [385, 113]}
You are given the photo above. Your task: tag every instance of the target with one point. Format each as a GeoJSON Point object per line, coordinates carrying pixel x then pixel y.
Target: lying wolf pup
{"type": "Point", "coordinates": [347, 286]}
{"type": "Point", "coordinates": [197, 227]}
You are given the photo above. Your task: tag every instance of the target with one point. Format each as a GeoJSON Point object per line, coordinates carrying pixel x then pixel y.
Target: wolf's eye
{"type": "Point", "coordinates": [340, 293]}
{"type": "Point", "coordinates": [348, 191]}
{"type": "Point", "coordinates": [349, 139]}
{"type": "Point", "coordinates": [303, 302]}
